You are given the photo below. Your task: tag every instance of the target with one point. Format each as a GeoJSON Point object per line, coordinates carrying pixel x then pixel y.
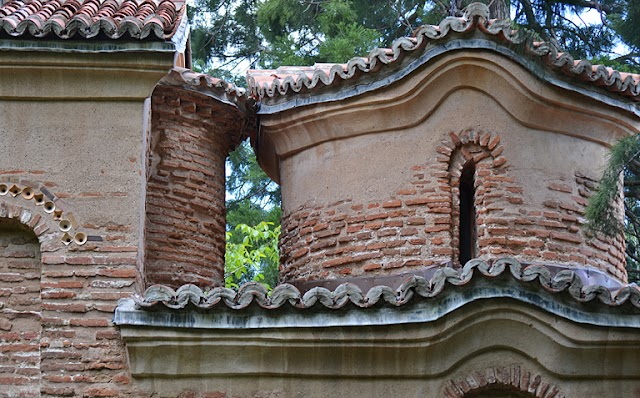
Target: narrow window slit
{"type": "Point", "coordinates": [467, 239]}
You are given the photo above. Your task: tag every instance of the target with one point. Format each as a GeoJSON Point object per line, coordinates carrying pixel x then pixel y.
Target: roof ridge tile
{"type": "Point", "coordinates": [88, 18]}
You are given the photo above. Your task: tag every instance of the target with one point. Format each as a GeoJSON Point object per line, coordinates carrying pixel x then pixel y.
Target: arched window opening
{"type": "Point", "coordinates": [467, 239]}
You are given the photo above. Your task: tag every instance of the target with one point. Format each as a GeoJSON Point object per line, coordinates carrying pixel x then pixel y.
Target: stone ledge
{"type": "Point", "coordinates": [414, 356]}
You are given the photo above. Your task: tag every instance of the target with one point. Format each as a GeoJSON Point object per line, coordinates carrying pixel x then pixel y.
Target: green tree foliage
{"type": "Point", "coordinates": [271, 33]}
{"type": "Point", "coordinates": [230, 35]}
{"type": "Point", "coordinates": [253, 219]}
{"type": "Point", "coordinates": [253, 196]}
{"type": "Point", "coordinates": [255, 257]}
{"type": "Point", "coordinates": [627, 23]}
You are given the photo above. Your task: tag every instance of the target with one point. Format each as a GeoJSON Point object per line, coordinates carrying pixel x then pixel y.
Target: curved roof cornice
{"type": "Point", "coordinates": [288, 87]}
{"type": "Point", "coordinates": [535, 284]}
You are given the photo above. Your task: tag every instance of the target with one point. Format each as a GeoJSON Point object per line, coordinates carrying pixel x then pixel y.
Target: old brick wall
{"type": "Point", "coordinates": [72, 216]}
{"type": "Point", "coordinates": [191, 135]}
{"type": "Point", "coordinates": [58, 295]}
{"type": "Point", "coordinates": [20, 332]}
{"type": "Point", "coordinates": [69, 238]}
{"type": "Point", "coordinates": [418, 224]}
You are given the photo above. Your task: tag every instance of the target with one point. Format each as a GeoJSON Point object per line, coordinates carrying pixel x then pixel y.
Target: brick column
{"type": "Point", "coordinates": [191, 136]}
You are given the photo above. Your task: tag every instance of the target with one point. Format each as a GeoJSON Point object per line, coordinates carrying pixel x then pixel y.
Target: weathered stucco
{"type": "Point", "coordinates": [414, 360]}
{"type": "Point", "coordinates": [72, 132]}
{"type": "Point", "coordinates": [372, 162]}
{"type": "Point", "coordinates": [111, 179]}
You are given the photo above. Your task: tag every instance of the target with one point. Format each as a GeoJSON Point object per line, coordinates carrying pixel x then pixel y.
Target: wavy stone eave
{"type": "Point", "coordinates": [288, 80]}
{"type": "Point", "coordinates": [564, 280]}
{"type": "Point", "coordinates": [67, 19]}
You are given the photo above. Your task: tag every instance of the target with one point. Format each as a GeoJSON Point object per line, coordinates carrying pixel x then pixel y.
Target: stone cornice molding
{"type": "Point", "coordinates": [414, 101]}
{"type": "Point", "coordinates": [482, 336]}
{"type": "Point", "coordinates": [44, 75]}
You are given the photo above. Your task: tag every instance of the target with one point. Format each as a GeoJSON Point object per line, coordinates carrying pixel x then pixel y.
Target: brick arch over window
{"type": "Point", "coordinates": [504, 381]}
{"type": "Point", "coordinates": [481, 152]}
{"type": "Point", "coordinates": [39, 209]}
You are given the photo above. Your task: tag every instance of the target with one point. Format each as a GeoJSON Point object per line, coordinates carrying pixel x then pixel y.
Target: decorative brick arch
{"type": "Point", "coordinates": [511, 378]}
{"type": "Point", "coordinates": [491, 181]}
{"type": "Point", "coordinates": [39, 209]}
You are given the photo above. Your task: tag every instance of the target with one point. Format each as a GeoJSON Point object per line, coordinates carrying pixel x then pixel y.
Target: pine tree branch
{"type": "Point", "coordinates": [532, 23]}
{"type": "Point", "coordinates": [442, 6]}
{"type": "Point", "coordinates": [260, 192]}
{"type": "Point", "coordinates": [590, 4]}
{"type": "Point", "coordinates": [628, 57]}
{"type": "Point", "coordinates": [633, 256]}
{"type": "Point", "coordinates": [632, 217]}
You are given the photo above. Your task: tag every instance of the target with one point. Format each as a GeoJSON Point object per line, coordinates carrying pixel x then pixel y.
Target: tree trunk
{"type": "Point", "coordinates": [499, 9]}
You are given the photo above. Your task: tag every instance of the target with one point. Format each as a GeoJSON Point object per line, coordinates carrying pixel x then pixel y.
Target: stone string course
{"type": "Point", "coordinates": [56, 334]}
{"type": "Point", "coordinates": [418, 225]}
{"type": "Point", "coordinates": [185, 213]}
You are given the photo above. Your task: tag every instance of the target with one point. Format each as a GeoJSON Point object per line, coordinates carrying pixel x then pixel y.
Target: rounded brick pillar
{"type": "Point", "coordinates": [191, 136]}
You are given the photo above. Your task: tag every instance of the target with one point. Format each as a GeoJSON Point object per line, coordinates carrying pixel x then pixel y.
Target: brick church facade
{"type": "Point", "coordinates": [433, 210]}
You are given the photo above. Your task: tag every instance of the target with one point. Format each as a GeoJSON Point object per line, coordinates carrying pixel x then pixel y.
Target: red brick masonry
{"type": "Point", "coordinates": [418, 225]}
{"type": "Point", "coordinates": [185, 211]}
{"type": "Point", "coordinates": [502, 379]}
{"type": "Point", "coordinates": [56, 334]}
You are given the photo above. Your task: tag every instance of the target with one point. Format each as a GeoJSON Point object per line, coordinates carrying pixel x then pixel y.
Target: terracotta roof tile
{"type": "Point", "coordinates": [114, 19]}
{"type": "Point", "coordinates": [222, 91]}
{"type": "Point", "coordinates": [579, 284]}
{"type": "Point", "coordinates": [290, 80]}
{"type": "Point", "coordinates": [187, 77]}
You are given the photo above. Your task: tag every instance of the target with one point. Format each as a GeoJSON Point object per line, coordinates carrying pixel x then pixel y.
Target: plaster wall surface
{"type": "Point", "coordinates": [88, 153]}
{"type": "Point", "coordinates": [371, 187]}
{"type": "Point", "coordinates": [375, 165]}
{"type": "Point", "coordinates": [72, 131]}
